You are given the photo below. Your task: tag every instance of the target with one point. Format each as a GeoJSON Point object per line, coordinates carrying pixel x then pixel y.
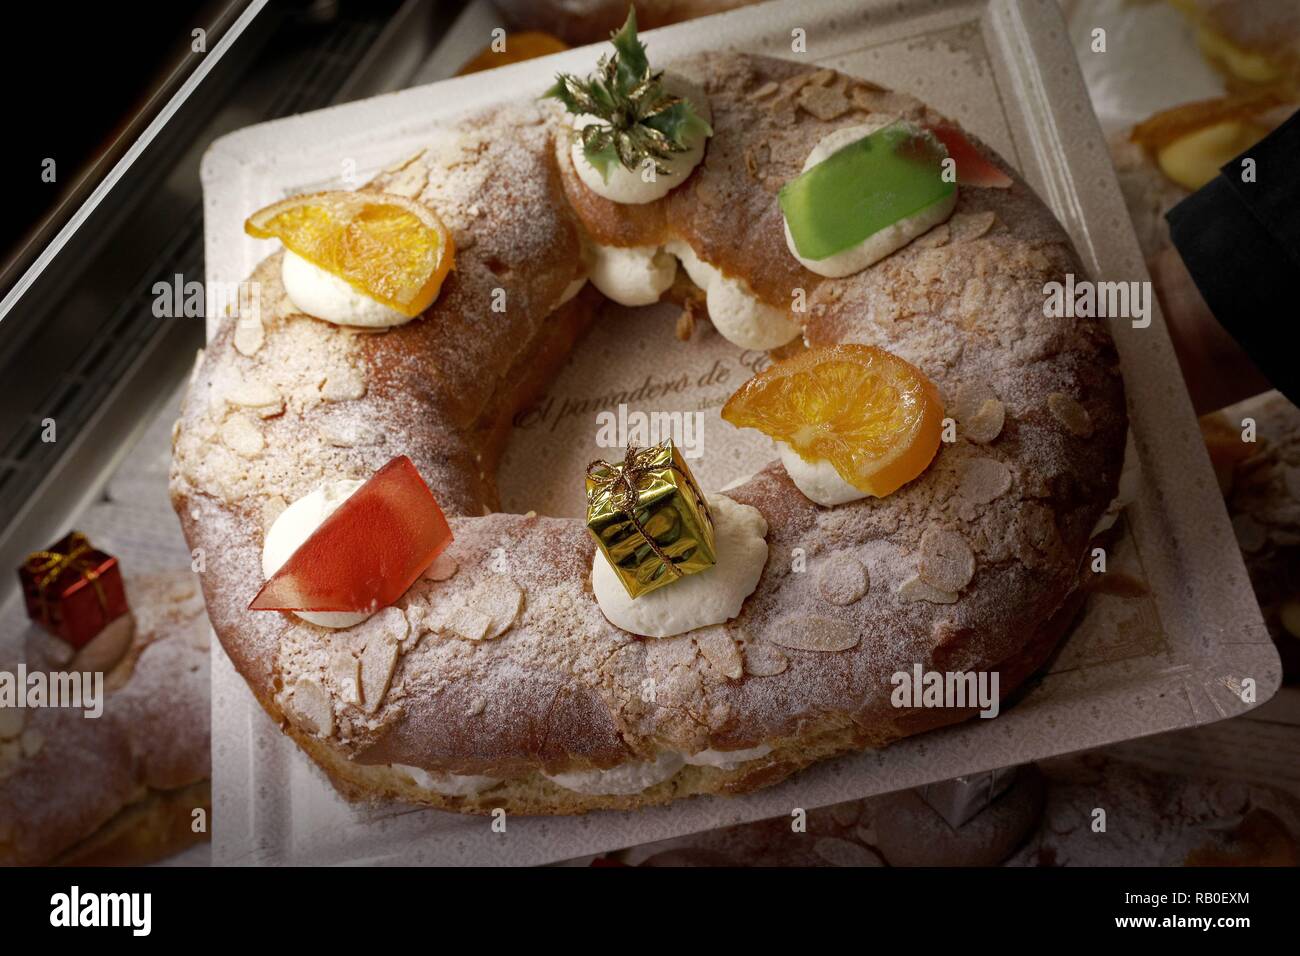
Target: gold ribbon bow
{"type": "Point", "coordinates": [620, 481]}
{"type": "Point", "coordinates": [47, 566]}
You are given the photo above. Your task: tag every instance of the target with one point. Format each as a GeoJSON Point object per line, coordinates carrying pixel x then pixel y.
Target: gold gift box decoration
{"type": "Point", "coordinates": [649, 518]}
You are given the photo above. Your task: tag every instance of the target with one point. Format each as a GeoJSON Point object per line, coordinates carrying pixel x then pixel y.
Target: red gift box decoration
{"type": "Point", "coordinates": [73, 590]}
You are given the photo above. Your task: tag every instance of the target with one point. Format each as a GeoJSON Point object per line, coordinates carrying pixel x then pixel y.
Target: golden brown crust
{"type": "Point", "coordinates": [535, 794]}
{"type": "Point", "coordinates": [158, 826]}
{"type": "Point", "coordinates": [554, 687]}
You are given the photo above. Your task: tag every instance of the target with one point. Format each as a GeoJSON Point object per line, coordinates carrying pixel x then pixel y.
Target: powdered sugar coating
{"type": "Point", "coordinates": [562, 690]}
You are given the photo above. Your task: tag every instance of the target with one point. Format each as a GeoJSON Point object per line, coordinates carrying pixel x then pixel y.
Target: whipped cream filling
{"type": "Point", "coordinates": [1129, 487]}
{"type": "Point", "coordinates": [636, 187]}
{"type": "Point", "coordinates": [631, 777]}
{"type": "Point", "coordinates": [639, 275]}
{"type": "Point", "coordinates": [727, 759]}
{"type": "Point", "coordinates": [637, 776]}
{"type": "Point", "coordinates": [739, 316]}
{"type": "Point", "coordinates": [448, 784]}
{"type": "Point", "coordinates": [294, 526]}
{"type": "Point", "coordinates": [882, 242]}
{"type": "Point", "coordinates": [632, 275]}
{"type": "Point", "coordinates": [324, 295]}
{"type": "Point", "coordinates": [817, 479]}
{"type": "Point", "coordinates": [707, 597]}
{"type": "Point", "coordinates": [570, 290]}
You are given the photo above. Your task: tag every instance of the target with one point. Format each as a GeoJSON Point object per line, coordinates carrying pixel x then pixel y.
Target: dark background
{"type": "Point", "coordinates": [73, 73]}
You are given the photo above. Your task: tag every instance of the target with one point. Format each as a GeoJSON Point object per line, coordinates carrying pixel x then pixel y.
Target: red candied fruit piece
{"type": "Point", "coordinates": [972, 168]}
{"type": "Point", "coordinates": [368, 552]}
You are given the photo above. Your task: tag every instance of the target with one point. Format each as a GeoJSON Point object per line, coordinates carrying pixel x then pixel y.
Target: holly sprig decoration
{"type": "Point", "coordinates": [637, 119]}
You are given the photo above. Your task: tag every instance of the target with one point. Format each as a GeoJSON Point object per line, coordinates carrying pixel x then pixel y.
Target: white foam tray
{"type": "Point", "coordinates": [1006, 70]}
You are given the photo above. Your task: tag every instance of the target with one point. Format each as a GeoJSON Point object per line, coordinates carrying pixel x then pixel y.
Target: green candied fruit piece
{"type": "Point", "coordinates": [858, 190]}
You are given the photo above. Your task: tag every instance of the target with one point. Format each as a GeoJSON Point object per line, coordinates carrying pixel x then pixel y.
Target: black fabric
{"type": "Point", "coordinates": [1274, 197]}
{"type": "Point", "coordinates": [1241, 243]}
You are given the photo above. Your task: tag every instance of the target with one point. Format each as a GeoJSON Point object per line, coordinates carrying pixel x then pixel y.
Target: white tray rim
{"type": "Point", "coordinates": [1180, 503]}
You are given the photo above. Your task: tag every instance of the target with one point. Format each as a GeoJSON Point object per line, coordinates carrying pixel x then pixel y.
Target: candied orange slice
{"type": "Point", "coordinates": [876, 418]}
{"type": "Point", "coordinates": [519, 47]}
{"type": "Point", "coordinates": [388, 247]}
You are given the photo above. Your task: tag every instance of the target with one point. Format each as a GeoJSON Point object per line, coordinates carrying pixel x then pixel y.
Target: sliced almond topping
{"type": "Point", "coordinates": [936, 237]}
{"type": "Point", "coordinates": [466, 622]}
{"type": "Point", "coordinates": [346, 670]}
{"type": "Point", "coordinates": [249, 335]}
{"type": "Point", "coordinates": [970, 400]}
{"type": "Point", "coordinates": [500, 601]}
{"type": "Point", "coordinates": [842, 579]}
{"type": "Point", "coordinates": [967, 226]}
{"type": "Point", "coordinates": [1070, 413]}
{"type": "Point", "coordinates": [764, 660]}
{"type": "Point", "coordinates": [839, 852]}
{"type": "Point", "coordinates": [767, 89]}
{"type": "Point", "coordinates": [11, 722]}
{"type": "Point", "coordinates": [342, 434]}
{"type": "Point", "coordinates": [344, 385]}
{"type": "Point", "coordinates": [864, 98]}
{"type": "Point", "coordinates": [443, 567]}
{"type": "Point", "coordinates": [946, 560]}
{"type": "Point", "coordinates": [671, 652]}
{"type": "Point", "coordinates": [378, 661]}
{"type": "Point", "coordinates": [815, 634]}
{"type": "Point", "coordinates": [32, 741]}
{"type": "Point", "coordinates": [388, 624]}
{"type": "Point", "coordinates": [986, 424]}
{"type": "Point", "coordinates": [720, 650]}
{"type": "Point", "coordinates": [252, 393]}
{"type": "Point", "coordinates": [825, 103]}
{"type": "Point", "coordinates": [272, 508]}
{"type": "Point", "coordinates": [309, 708]}
{"type": "Point", "coordinates": [382, 634]}
{"type": "Point", "coordinates": [241, 436]}
{"type": "Point", "coordinates": [338, 436]}
{"type": "Point", "coordinates": [794, 84]}
{"type": "Point", "coordinates": [417, 626]}
{"type": "Point", "coordinates": [914, 589]}
{"type": "Point", "coordinates": [981, 480]}
{"type": "Point", "coordinates": [488, 611]}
